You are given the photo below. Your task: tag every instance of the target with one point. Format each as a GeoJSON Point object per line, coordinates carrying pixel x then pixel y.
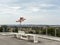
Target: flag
{"type": "Point", "coordinates": [21, 19]}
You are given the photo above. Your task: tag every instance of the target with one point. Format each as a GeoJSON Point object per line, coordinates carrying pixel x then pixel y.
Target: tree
{"type": "Point", "coordinates": [51, 31]}
{"type": "Point", "coordinates": [1, 29]}
{"type": "Point", "coordinates": [16, 29]}
{"type": "Point", "coordinates": [4, 28]}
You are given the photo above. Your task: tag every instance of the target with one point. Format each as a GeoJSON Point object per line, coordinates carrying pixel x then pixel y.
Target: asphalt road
{"type": "Point", "coordinates": [6, 40]}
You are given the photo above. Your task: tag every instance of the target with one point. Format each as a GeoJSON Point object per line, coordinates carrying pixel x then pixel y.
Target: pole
{"type": "Point", "coordinates": [46, 31]}
{"type": "Point", "coordinates": [19, 28]}
{"type": "Point", "coordinates": [20, 25]}
{"type": "Point", "coordinates": [55, 32]}
{"type": "Point", "coordinates": [20, 20]}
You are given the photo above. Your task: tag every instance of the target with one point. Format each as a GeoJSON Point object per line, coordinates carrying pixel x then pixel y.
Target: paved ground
{"type": "Point", "coordinates": [6, 40]}
{"type": "Point", "coordinates": [49, 37]}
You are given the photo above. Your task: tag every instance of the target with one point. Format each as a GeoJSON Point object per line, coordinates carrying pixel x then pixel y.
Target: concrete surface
{"type": "Point", "coordinates": [7, 40]}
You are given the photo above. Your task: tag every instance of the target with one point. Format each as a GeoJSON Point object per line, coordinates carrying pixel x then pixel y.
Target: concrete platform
{"type": "Point", "coordinates": [40, 36]}
{"type": "Point", "coordinates": [7, 40]}
{"type": "Point", "coordinates": [50, 37]}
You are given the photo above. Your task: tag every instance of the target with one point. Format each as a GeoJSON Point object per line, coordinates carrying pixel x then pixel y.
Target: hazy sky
{"type": "Point", "coordinates": [35, 11]}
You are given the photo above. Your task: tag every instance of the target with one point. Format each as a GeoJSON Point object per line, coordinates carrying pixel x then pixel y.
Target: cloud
{"type": "Point", "coordinates": [9, 9]}
{"type": "Point", "coordinates": [47, 5]}
{"type": "Point", "coordinates": [35, 11]}
{"type": "Point", "coordinates": [33, 8]}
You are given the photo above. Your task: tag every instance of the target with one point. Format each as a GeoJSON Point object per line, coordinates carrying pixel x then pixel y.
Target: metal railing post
{"type": "Point", "coordinates": [46, 31]}
{"type": "Point", "coordinates": [55, 32]}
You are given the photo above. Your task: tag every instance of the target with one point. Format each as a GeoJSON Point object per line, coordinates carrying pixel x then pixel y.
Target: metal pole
{"type": "Point", "coordinates": [46, 31]}
{"type": "Point", "coordinates": [20, 25]}
{"type": "Point", "coordinates": [19, 28]}
{"type": "Point", "coordinates": [55, 32]}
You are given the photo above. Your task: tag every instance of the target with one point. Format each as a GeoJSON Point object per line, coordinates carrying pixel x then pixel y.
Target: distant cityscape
{"type": "Point", "coordinates": [31, 25]}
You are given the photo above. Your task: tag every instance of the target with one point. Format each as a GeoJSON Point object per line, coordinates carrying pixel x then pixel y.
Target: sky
{"type": "Point", "coordinates": [34, 11]}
